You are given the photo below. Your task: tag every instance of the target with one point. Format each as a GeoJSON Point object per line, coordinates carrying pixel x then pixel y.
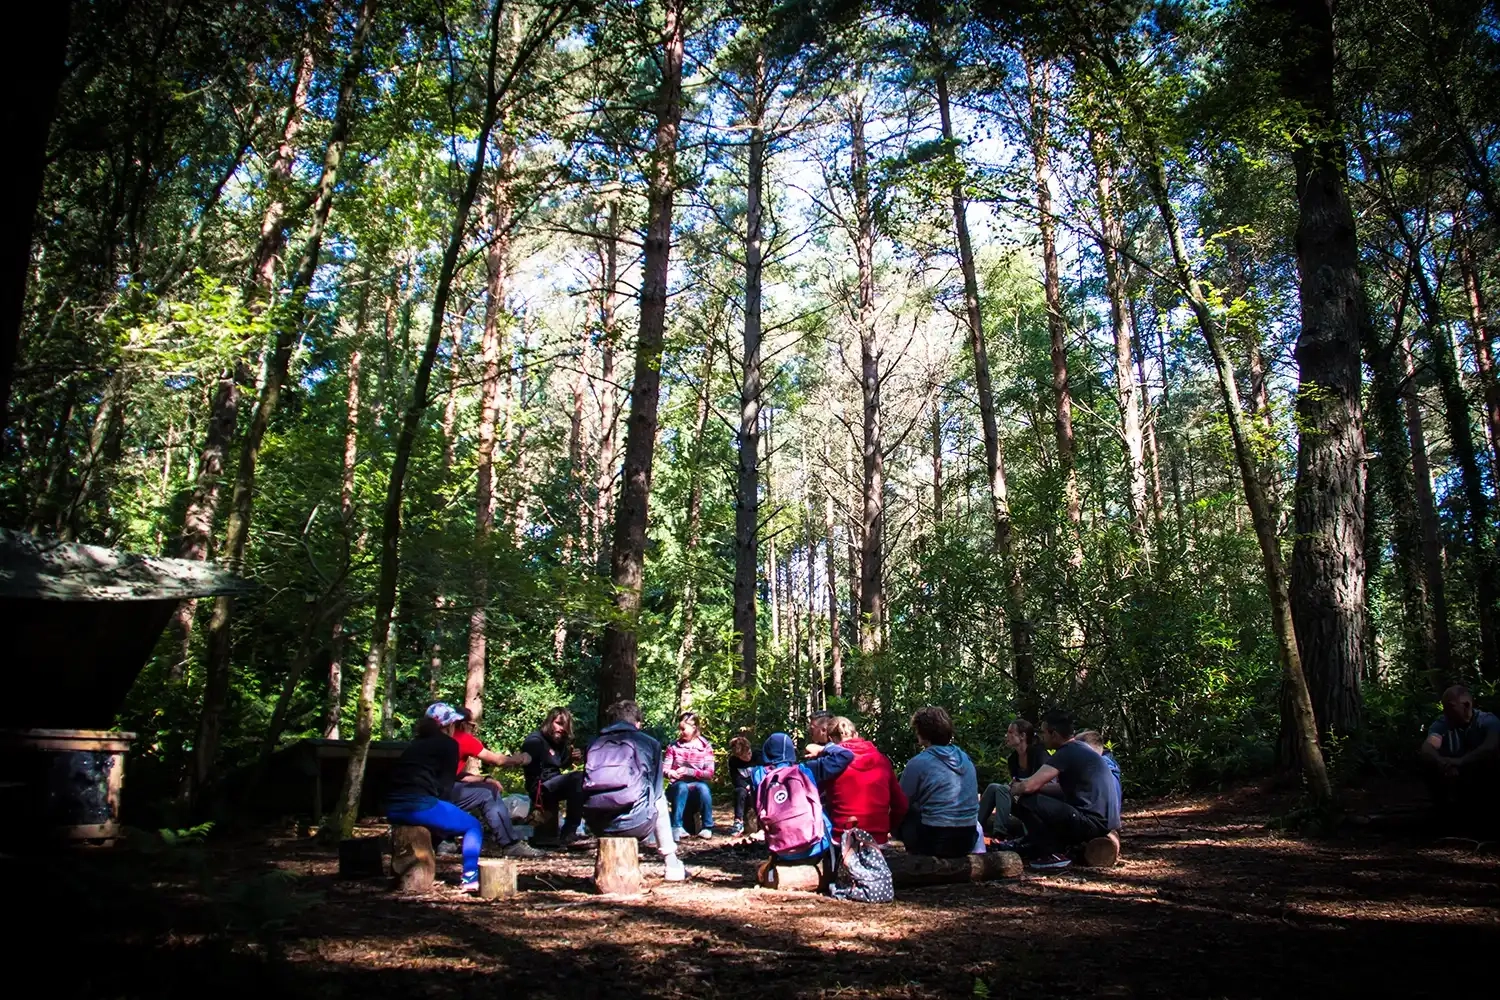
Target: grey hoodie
{"type": "Point", "coordinates": [942, 787]}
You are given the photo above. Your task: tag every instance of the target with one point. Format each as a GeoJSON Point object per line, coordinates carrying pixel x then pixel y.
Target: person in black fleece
{"type": "Point", "coordinates": [548, 781]}
{"type": "Point", "coordinates": [741, 760]}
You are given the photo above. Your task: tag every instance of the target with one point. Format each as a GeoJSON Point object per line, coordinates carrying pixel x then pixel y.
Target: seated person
{"type": "Point", "coordinates": [817, 729]}
{"type": "Point", "coordinates": [1026, 755]}
{"type": "Point", "coordinates": [790, 808]}
{"type": "Point", "coordinates": [742, 760]}
{"type": "Point", "coordinates": [548, 780]}
{"type": "Point", "coordinates": [1095, 742]}
{"type": "Point", "coordinates": [942, 789]}
{"type": "Point", "coordinates": [1462, 758]}
{"type": "Point", "coordinates": [688, 764]}
{"type": "Point", "coordinates": [474, 793]}
{"type": "Point", "coordinates": [1089, 806]}
{"type": "Point", "coordinates": [867, 795]}
{"type": "Point", "coordinates": [421, 781]}
{"type": "Point", "coordinates": [622, 785]}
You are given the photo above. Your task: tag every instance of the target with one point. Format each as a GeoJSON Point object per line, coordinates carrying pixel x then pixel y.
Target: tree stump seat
{"type": "Point", "coordinates": [617, 866]}
{"type": "Point", "coordinates": [413, 861]}
{"type": "Point", "coordinates": [1102, 852]}
{"type": "Point", "coordinates": [497, 878]}
{"type": "Point", "coordinates": [789, 876]}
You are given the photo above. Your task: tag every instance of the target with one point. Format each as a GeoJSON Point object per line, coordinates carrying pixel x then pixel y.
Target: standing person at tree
{"type": "Point", "coordinates": [689, 764]}
{"type": "Point", "coordinates": [1462, 758]}
{"type": "Point", "coordinates": [742, 761]}
{"type": "Point", "coordinates": [622, 785]}
{"type": "Point", "coordinates": [548, 780]}
{"type": "Point", "coordinates": [422, 780]}
{"type": "Point", "coordinates": [942, 788]}
{"type": "Point", "coordinates": [867, 794]}
{"type": "Point", "coordinates": [1089, 806]}
{"type": "Point", "coordinates": [1026, 755]}
{"type": "Point", "coordinates": [482, 796]}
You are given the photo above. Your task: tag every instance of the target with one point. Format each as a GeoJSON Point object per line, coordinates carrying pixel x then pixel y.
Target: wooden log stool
{"type": "Point", "coordinates": [908, 870]}
{"type": "Point", "coordinates": [789, 876]}
{"type": "Point", "coordinates": [497, 878]}
{"type": "Point", "coordinates": [617, 866]}
{"type": "Point", "coordinates": [413, 861]}
{"type": "Point", "coordinates": [1102, 852]}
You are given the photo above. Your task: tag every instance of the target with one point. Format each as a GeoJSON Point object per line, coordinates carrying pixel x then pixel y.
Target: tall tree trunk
{"type": "Point", "coordinates": [1148, 422]}
{"type": "Point", "coordinates": [196, 540]}
{"type": "Point", "coordinates": [994, 452]}
{"type": "Point", "coordinates": [334, 705]}
{"type": "Point", "coordinates": [830, 572]}
{"type": "Point", "coordinates": [1392, 472]}
{"type": "Point", "coordinates": [609, 401]}
{"type": "Point", "coordinates": [1127, 390]}
{"type": "Point", "coordinates": [617, 666]}
{"type": "Point", "coordinates": [390, 552]}
{"type": "Point", "coordinates": [216, 690]}
{"type": "Point", "coordinates": [1038, 81]}
{"type": "Point", "coordinates": [1328, 561]}
{"type": "Point", "coordinates": [492, 381]}
{"type": "Point", "coordinates": [747, 473]}
{"type": "Point", "coordinates": [1427, 518]}
{"type": "Point", "coordinates": [872, 496]}
{"type": "Point", "coordinates": [1297, 704]}
{"type": "Point", "coordinates": [1484, 355]}
{"type": "Point", "coordinates": [694, 527]}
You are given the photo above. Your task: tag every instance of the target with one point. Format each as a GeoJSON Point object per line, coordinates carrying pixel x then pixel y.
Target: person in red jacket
{"type": "Point", "coordinates": [867, 794]}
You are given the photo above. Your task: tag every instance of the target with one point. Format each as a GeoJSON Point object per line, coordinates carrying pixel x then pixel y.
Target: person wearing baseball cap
{"type": "Point", "coordinates": [422, 780]}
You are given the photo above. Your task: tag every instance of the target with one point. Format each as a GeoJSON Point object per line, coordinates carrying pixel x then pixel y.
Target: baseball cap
{"type": "Point", "coordinates": [445, 714]}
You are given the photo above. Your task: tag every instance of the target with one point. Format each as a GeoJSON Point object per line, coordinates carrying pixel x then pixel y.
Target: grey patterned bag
{"type": "Point", "coordinates": [863, 876]}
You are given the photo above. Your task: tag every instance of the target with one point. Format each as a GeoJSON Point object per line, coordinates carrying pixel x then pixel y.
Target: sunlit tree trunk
{"type": "Point", "coordinates": [747, 473]}
{"type": "Point", "coordinates": [617, 665]}
{"type": "Point", "coordinates": [694, 527]}
{"type": "Point", "coordinates": [609, 399]}
{"type": "Point", "coordinates": [1038, 81]}
{"type": "Point", "coordinates": [872, 516]}
{"type": "Point", "coordinates": [237, 533]}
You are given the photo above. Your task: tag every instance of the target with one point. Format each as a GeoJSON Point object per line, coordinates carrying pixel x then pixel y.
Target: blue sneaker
{"type": "Point", "coordinates": [1051, 862]}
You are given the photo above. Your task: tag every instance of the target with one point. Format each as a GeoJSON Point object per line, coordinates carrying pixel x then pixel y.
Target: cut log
{"type": "Point", "coordinates": [789, 877]}
{"type": "Point", "coordinates": [361, 857]}
{"type": "Point", "coordinates": [1102, 852]}
{"type": "Point", "coordinates": [909, 870]}
{"type": "Point", "coordinates": [412, 859]}
{"type": "Point", "coordinates": [617, 867]}
{"type": "Point", "coordinates": [497, 878]}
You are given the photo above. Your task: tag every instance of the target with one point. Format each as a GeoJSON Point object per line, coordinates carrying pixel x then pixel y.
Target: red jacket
{"type": "Point", "coordinates": [867, 794]}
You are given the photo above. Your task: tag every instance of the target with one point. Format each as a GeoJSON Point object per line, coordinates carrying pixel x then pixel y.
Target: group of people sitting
{"type": "Point", "coordinates": [1064, 790]}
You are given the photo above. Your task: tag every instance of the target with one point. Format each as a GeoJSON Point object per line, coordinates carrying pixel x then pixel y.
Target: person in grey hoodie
{"type": "Point", "coordinates": [942, 788]}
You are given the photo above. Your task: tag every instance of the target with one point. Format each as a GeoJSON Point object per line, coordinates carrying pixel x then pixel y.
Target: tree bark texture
{"type": "Point", "coordinates": [1328, 562]}
{"type": "Point", "coordinates": [694, 528]}
{"type": "Point", "coordinates": [1024, 669]}
{"type": "Point", "coordinates": [747, 471]}
{"type": "Point", "coordinates": [617, 666]}
{"type": "Point", "coordinates": [872, 495]}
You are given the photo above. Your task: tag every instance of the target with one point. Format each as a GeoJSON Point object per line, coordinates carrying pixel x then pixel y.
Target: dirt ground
{"type": "Point", "coordinates": [1209, 900]}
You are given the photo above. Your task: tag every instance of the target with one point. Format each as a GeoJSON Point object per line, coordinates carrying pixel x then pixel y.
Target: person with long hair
{"type": "Point", "coordinates": [866, 795]}
{"type": "Point", "coordinates": [548, 778]}
{"type": "Point", "coordinates": [688, 764]}
{"type": "Point", "coordinates": [1026, 755]}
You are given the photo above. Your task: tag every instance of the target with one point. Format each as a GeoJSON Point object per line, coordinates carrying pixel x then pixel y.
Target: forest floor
{"type": "Point", "coordinates": [1210, 899]}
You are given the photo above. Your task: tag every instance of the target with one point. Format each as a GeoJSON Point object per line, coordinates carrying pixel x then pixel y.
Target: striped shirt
{"type": "Point", "coordinates": [695, 756]}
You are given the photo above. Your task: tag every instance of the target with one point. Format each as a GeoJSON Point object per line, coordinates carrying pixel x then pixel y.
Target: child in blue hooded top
{"type": "Point", "coordinates": [943, 789]}
{"type": "Point", "coordinates": [831, 761]}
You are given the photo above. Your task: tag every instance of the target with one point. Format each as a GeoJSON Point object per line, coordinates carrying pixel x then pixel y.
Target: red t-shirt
{"type": "Point", "coordinates": [469, 745]}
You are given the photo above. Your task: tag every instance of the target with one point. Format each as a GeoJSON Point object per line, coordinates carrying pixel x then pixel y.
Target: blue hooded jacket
{"type": "Point", "coordinates": [942, 786]}
{"type": "Point", "coordinates": [779, 751]}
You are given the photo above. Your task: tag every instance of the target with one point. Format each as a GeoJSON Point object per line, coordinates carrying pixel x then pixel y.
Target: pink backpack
{"type": "Point", "coordinates": [790, 810]}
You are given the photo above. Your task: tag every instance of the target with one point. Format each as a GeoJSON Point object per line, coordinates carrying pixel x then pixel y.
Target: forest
{"type": "Point", "coordinates": [756, 357]}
